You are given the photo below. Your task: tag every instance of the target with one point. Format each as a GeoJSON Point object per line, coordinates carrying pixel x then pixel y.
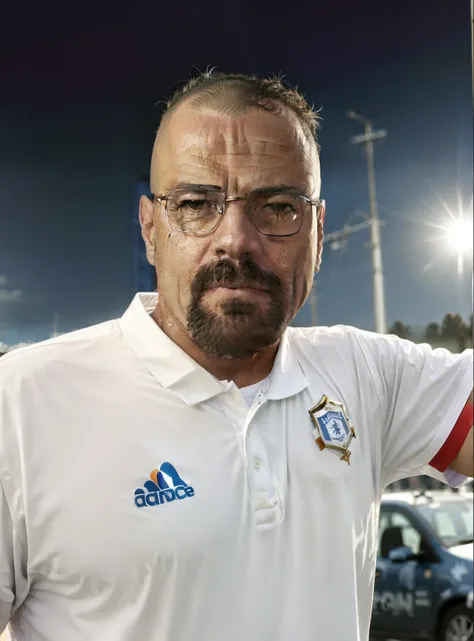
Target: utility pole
{"type": "Point", "coordinates": [367, 140]}
{"type": "Point", "coordinates": [55, 326]}
{"type": "Point", "coordinates": [472, 47]}
{"type": "Point", "coordinates": [313, 305]}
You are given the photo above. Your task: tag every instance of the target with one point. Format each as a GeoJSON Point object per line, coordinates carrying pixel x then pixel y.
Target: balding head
{"type": "Point", "coordinates": [232, 92]}
{"type": "Point", "coordinates": [234, 96]}
{"type": "Point", "coordinates": [185, 134]}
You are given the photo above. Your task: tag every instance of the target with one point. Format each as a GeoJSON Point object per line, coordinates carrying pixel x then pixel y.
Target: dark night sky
{"type": "Point", "coordinates": [78, 113]}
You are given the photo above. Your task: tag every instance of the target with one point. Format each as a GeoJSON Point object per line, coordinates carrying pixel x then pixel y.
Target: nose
{"type": "Point", "coordinates": [236, 236]}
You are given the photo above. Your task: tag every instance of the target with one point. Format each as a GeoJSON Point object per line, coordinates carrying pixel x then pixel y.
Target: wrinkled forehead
{"type": "Point", "coordinates": [236, 153]}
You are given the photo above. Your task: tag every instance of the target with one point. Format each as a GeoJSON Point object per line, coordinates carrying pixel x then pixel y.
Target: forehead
{"type": "Point", "coordinates": [237, 153]}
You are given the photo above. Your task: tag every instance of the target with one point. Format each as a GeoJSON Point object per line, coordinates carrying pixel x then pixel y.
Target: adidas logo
{"type": "Point", "coordinates": [165, 485]}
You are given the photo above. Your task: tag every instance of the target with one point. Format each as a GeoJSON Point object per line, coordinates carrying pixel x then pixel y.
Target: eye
{"type": "Point", "coordinates": [278, 214]}
{"type": "Point", "coordinates": [195, 204]}
{"type": "Point", "coordinates": [280, 208]}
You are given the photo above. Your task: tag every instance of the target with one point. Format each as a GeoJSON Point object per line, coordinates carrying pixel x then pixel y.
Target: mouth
{"type": "Point", "coordinates": [240, 287]}
{"type": "Point", "coordinates": [238, 291]}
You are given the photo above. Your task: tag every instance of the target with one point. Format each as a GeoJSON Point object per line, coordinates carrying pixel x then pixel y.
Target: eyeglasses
{"type": "Point", "coordinates": [199, 209]}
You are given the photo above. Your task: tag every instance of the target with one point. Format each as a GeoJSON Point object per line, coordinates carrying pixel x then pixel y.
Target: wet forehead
{"type": "Point", "coordinates": [238, 154]}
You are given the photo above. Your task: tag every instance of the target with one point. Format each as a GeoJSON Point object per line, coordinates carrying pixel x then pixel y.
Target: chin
{"type": "Point", "coordinates": [240, 309]}
{"type": "Point", "coordinates": [236, 335]}
{"type": "Point", "coordinates": [236, 328]}
{"type": "Point", "coordinates": [229, 347]}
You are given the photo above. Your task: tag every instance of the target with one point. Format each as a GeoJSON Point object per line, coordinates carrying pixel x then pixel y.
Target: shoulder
{"type": "Point", "coordinates": [340, 337]}
{"type": "Point", "coordinates": [378, 351]}
{"type": "Point", "coordinates": [385, 362]}
{"type": "Point", "coordinates": [328, 333]}
{"type": "Point", "coordinates": [340, 352]}
{"type": "Point", "coordinates": [349, 353]}
{"type": "Point", "coordinates": [58, 355]}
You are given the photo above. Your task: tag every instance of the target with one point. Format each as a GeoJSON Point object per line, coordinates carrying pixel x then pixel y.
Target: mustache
{"type": "Point", "coordinates": [226, 273]}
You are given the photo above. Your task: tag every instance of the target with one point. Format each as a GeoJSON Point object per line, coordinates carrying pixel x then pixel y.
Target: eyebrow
{"type": "Point", "coordinates": [279, 189]}
{"type": "Point", "coordinates": [272, 189]}
{"type": "Point", "coordinates": [195, 187]}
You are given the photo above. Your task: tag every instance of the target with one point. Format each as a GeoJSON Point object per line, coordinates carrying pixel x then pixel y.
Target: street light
{"type": "Point", "coordinates": [459, 235]}
{"type": "Point", "coordinates": [453, 234]}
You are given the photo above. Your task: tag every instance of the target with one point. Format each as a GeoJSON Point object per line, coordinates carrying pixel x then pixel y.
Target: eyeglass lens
{"type": "Point", "coordinates": [273, 214]}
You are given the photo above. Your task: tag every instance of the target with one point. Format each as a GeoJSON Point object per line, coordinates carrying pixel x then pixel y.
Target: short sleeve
{"type": "Point", "coordinates": [13, 574]}
{"type": "Point", "coordinates": [422, 392]}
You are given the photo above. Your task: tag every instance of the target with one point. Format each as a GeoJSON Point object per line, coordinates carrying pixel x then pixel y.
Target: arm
{"type": "Point", "coordinates": [464, 461]}
{"type": "Point", "coordinates": [422, 396]}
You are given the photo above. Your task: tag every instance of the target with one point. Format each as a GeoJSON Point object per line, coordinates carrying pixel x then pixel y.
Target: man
{"type": "Point", "coordinates": [196, 470]}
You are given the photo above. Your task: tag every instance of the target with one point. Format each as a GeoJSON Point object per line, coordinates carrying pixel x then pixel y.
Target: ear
{"type": "Point", "coordinates": [147, 223]}
{"type": "Point", "coordinates": [320, 214]}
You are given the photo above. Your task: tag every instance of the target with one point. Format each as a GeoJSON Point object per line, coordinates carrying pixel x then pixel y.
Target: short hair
{"type": "Point", "coordinates": [232, 94]}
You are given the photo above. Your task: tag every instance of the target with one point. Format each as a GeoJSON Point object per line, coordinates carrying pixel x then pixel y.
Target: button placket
{"type": "Point", "coordinates": [258, 467]}
{"type": "Point", "coordinates": [264, 496]}
{"type": "Point", "coordinates": [258, 403]}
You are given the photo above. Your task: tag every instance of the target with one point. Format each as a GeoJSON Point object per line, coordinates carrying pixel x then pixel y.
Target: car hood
{"type": "Point", "coordinates": [463, 551]}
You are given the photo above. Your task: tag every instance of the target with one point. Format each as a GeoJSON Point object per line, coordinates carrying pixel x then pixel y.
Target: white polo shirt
{"type": "Point", "coordinates": [143, 500]}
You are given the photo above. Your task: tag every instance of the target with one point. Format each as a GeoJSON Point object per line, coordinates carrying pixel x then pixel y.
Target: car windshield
{"type": "Point", "coordinates": [452, 520]}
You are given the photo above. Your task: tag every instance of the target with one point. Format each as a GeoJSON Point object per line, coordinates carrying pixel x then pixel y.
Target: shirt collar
{"type": "Point", "coordinates": [287, 377]}
{"type": "Point", "coordinates": [167, 362]}
{"type": "Point", "coordinates": [177, 371]}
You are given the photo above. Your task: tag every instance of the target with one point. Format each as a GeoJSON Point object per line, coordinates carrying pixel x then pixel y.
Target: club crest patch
{"type": "Point", "coordinates": [333, 429]}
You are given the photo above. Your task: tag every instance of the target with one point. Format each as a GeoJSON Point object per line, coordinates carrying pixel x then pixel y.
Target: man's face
{"type": "Point", "coordinates": [234, 290]}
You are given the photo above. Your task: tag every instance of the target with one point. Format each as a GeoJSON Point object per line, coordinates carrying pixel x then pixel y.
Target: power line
{"type": "Point", "coordinates": [336, 239]}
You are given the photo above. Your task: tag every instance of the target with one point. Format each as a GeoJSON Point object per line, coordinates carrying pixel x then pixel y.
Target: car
{"type": "Point", "coordinates": [424, 571]}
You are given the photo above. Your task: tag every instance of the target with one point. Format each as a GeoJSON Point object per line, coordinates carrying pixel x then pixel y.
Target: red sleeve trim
{"type": "Point", "coordinates": [455, 440]}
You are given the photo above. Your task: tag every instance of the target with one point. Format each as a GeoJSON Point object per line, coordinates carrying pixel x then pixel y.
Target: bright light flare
{"type": "Point", "coordinates": [455, 233]}
{"type": "Point", "coordinates": [459, 235]}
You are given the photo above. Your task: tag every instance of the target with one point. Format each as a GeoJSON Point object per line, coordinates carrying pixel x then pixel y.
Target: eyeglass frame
{"type": "Point", "coordinates": [229, 199]}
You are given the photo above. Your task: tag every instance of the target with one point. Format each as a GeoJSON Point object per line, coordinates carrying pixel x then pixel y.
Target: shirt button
{"type": "Point", "coordinates": [257, 463]}
{"type": "Point", "coordinates": [231, 396]}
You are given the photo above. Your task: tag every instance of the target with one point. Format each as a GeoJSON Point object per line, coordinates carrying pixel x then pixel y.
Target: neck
{"type": "Point", "coordinates": [243, 371]}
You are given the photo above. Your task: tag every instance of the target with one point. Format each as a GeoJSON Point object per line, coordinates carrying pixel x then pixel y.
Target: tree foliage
{"type": "Point", "coordinates": [453, 326]}
{"type": "Point", "coordinates": [400, 329]}
{"type": "Point", "coordinates": [432, 332]}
